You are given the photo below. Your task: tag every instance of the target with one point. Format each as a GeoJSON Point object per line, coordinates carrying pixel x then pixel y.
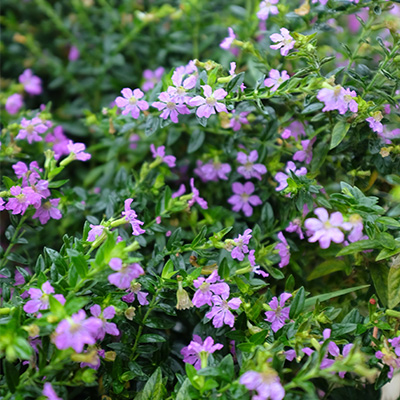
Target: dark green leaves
{"type": "Point", "coordinates": [339, 132]}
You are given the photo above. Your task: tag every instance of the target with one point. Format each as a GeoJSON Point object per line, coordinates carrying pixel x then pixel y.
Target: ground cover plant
{"type": "Point", "coordinates": [199, 199]}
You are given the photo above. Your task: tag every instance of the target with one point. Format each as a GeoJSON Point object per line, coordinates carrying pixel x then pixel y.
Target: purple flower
{"type": "Point", "coordinates": [325, 229]}
{"type": "Point", "coordinates": [226, 44]}
{"type": "Point", "coordinates": [243, 198]}
{"type": "Point", "coordinates": [1, 204]}
{"type": "Point", "coordinates": [375, 122]}
{"type": "Point", "coordinates": [196, 198]}
{"type": "Point", "coordinates": [40, 298]}
{"type": "Point", "coordinates": [334, 351]}
{"type": "Point", "coordinates": [233, 74]}
{"type": "Point", "coordinates": [267, 7]}
{"type": "Point", "coordinates": [133, 291]}
{"type": "Point", "coordinates": [323, 2]}
{"type": "Point", "coordinates": [14, 103]}
{"type": "Point", "coordinates": [31, 130]}
{"type": "Point", "coordinates": [73, 53]}
{"type": "Point", "coordinates": [160, 152]}
{"type": "Point", "coordinates": [305, 154]}
{"type": "Point", "coordinates": [249, 169]}
{"type": "Point", "coordinates": [197, 350]}
{"type": "Point", "coordinates": [152, 78]}
{"type": "Point", "coordinates": [282, 177]}
{"type": "Point", "coordinates": [23, 198]}
{"type": "Point", "coordinates": [125, 274]}
{"type": "Point", "coordinates": [295, 129]}
{"type": "Point", "coordinates": [59, 141]}
{"type": "Point", "coordinates": [78, 150]}
{"type": "Point", "coordinates": [131, 103]}
{"type": "Point", "coordinates": [179, 192]}
{"type": "Point", "coordinates": [284, 41]}
{"type": "Point", "coordinates": [107, 327]}
{"type": "Point", "coordinates": [266, 384]}
{"type": "Point", "coordinates": [207, 287]}
{"type": "Point", "coordinates": [279, 313]}
{"type": "Point", "coordinates": [49, 392]}
{"type": "Point", "coordinates": [212, 171]}
{"type": "Point", "coordinates": [171, 109]}
{"type": "Point", "coordinates": [220, 313]}
{"type": "Point", "coordinates": [295, 226]}
{"type": "Point", "coordinates": [388, 135]}
{"type": "Point", "coordinates": [48, 210]}
{"type": "Point", "coordinates": [256, 268]}
{"type": "Point", "coordinates": [32, 84]}
{"type": "Point", "coordinates": [95, 232]}
{"type": "Point", "coordinates": [22, 171]}
{"type": "Point", "coordinates": [133, 140]}
{"type": "Point", "coordinates": [238, 120]}
{"type": "Point", "coordinates": [77, 331]}
{"type": "Point", "coordinates": [209, 104]}
{"type": "Point", "coordinates": [348, 101]}
{"type": "Point", "coordinates": [241, 243]}
{"type": "Point", "coordinates": [355, 225]}
{"type": "Point", "coordinates": [284, 250]}
{"type": "Point", "coordinates": [390, 359]}
{"type": "Point", "coordinates": [131, 217]}
{"type": "Point", "coordinates": [94, 363]}
{"type": "Point", "coordinates": [276, 79]}
{"type": "Point", "coordinates": [338, 98]}
{"type": "Point", "coordinates": [178, 93]}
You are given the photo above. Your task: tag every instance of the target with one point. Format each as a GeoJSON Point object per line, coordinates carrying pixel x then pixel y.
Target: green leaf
{"type": "Point", "coordinates": [326, 268]}
{"type": "Point", "coordinates": [339, 132]}
{"type": "Point", "coordinates": [297, 305]}
{"type": "Point", "coordinates": [235, 82]}
{"type": "Point", "coordinates": [151, 338]}
{"type": "Point", "coordinates": [152, 124]}
{"type": "Point", "coordinates": [379, 274]}
{"type": "Point", "coordinates": [183, 393]}
{"type": "Point", "coordinates": [154, 388]}
{"type": "Point", "coordinates": [359, 246]}
{"type": "Point", "coordinates": [386, 253]}
{"type": "Point", "coordinates": [168, 270]}
{"type": "Point", "coordinates": [327, 296]}
{"type": "Point", "coordinates": [226, 368]}
{"type": "Point", "coordinates": [394, 285]}
{"type": "Point", "coordinates": [79, 261]}
{"type": "Point", "coordinates": [11, 374]}
{"type": "Point", "coordinates": [56, 307]}
{"type": "Point", "coordinates": [388, 221]}
{"type": "Point", "coordinates": [196, 140]}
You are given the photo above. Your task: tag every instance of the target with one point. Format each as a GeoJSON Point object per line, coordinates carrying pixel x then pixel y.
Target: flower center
{"type": "Point", "coordinates": [336, 90]}
{"type": "Point", "coordinates": [224, 305]}
{"type": "Point", "coordinates": [245, 197]}
{"type": "Point", "coordinates": [248, 166]}
{"type": "Point", "coordinates": [21, 198]}
{"type": "Point", "coordinates": [133, 100]}
{"type": "Point", "coordinates": [211, 101]}
{"type": "Point", "coordinates": [30, 128]}
{"type": "Point", "coordinates": [205, 286]}
{"type": "Point", "coordinates": [181, 90]}
{"type": "Point", "coordinates": [327, 225]}
{"type": "Point", "coordinates": [46, 205]}
{"type": "Point", "coordinates": [74, 327]}
{"type": "Point", "coordinates": [171, 105]}
{"type": "Point", "coordinates": [44, 299]}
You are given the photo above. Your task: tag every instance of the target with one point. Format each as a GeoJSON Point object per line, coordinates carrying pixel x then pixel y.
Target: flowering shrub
{"type": "Point", "coordinates": [194, 214]}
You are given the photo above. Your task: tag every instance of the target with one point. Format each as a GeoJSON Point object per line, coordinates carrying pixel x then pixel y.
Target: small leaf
{"type": "Point", "coordinates": [235, 82]}
{"type": "Point", "coordinates": [394, 284]}
{"type": "Point", "coordinates": [298, 303]}
{"type": "Point", "coordinates": [154, 388]}
{"type": "Point", "coordinates": [196, 140]}
{"type": "Point", "coordinates": [379, 274]}
{"type": "Point", "coordinates": [339, 132]}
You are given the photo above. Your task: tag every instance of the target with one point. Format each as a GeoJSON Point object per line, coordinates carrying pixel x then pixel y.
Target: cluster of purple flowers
{"type": "Point", "coordinates": [197, 352]}
{"type": "Point", "coordinates": [338, 98]}
{"type": "Point", "coordinates": [267, 384]}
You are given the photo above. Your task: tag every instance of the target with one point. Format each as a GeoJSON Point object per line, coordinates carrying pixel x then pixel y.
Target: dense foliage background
{"type": "Point", "coordinates": [302, 128]}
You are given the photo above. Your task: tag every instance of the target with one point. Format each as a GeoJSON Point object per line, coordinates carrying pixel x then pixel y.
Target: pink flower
{"type": "Point", "coordinates": [196, 350]}
{"type": "Point", "coordinates": [266, 384]}
{"type": "Point", "coordinates": [31, 130]}
{"type": "Point", "coordinates": [323, 2]}
{"type": "Point", "coordinates": [179, 192]}
{"type": "Point", "coordinates": [209, 104]}
{"type": "Point", "coordinates": [160, 152]}
{"type": "Point", "coordinates": [131, 217]}
{"type": "Point", "coordinates": [212, 171]}
{"type": "Point", "coordinates": [78, 150]}
{"type": "Point", "coordinates": [284, 41]}
{"type": "Point", "coordinates": [125, 274]}
{"type": "Point", "coordinates": [390, 359]}
{"type": "Point", "coordinates": [243, 199]}
{"type": "Point", "coordinates": [276, 79]}
{"type": "Point", "coordinates": [133, 140]}
{"type": "Point", "coordinates": [32, 84]}
{"type": "Point", "coordinates": [1, 204]}
{"type": "Point", "coordinates": [59, 141]}
{"type": "Point", "coordinates": [233, 74]}
{"type": "Point", "coordinates": [267, 7]}
{"type": "Point", "coordinates": [178, 93]}
{"type": "Point", "coordinates": [14, 103]}
{"type": "Point", "coordinates": [95, 232]}
{"type": "Point", "coordinates": [49, 392]}
{"type": "Point", "coordinates": [152, 78]}
{"type": "Point", "coordinates": [279, 313]}
{"type": "Point", "coordinates": [295, 129]}
{"type": "Point", "coordinates": [284, 250]}
{"type": "Point", "coordinates": [23, 198]}
{"type": "Point", "coordinates": [227, 43]}
{"type": "Point", "coordinates": [305, 154]}
{"type": "Point", "coordinates": [73, 54]}
{"type": "Point", "coordinates": [256, 268]}
{"type": "Point", "coordinates": [295, 226]}
{"type": "Point", "coordinates": [282, 178]}
{"type": "Point", "coordinates": [130, 102]}
{"type": "Point", "coordinates": [338, 98]}
{"type": "Point", "coordinates": [133, 291]}
{"type": "Point", "coordinates": [207, 287]}
{"type": "Point", "coordinates": [107, 327]}
{"type": "Point", "coordinates": [22, 171]}
{"type": "Point", "coordinates": [249, 169]}
{"type": "Point", "coordinates": [325, 229]}
{"type": "Point", "coordinates": [238, 120]}
{"type": "Point", "coordinates": [375, 122]}
{"type": "Point", "coordinates": [40, 298]}
{"type": "Point", "coordinates": [171, 109]}
{"type": "Point", "coordinates": [196, 198]}
{"type": "Point", "coordinates": [388, 135]}
{"type": "Point", "coordinates": [48, 210]}
{"type": "Point", "coordinates": [241, 243]}
{"type": "Point", "coordinates": [77, 331]}
{"type": "Point", "coordinates": [220, 313]}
